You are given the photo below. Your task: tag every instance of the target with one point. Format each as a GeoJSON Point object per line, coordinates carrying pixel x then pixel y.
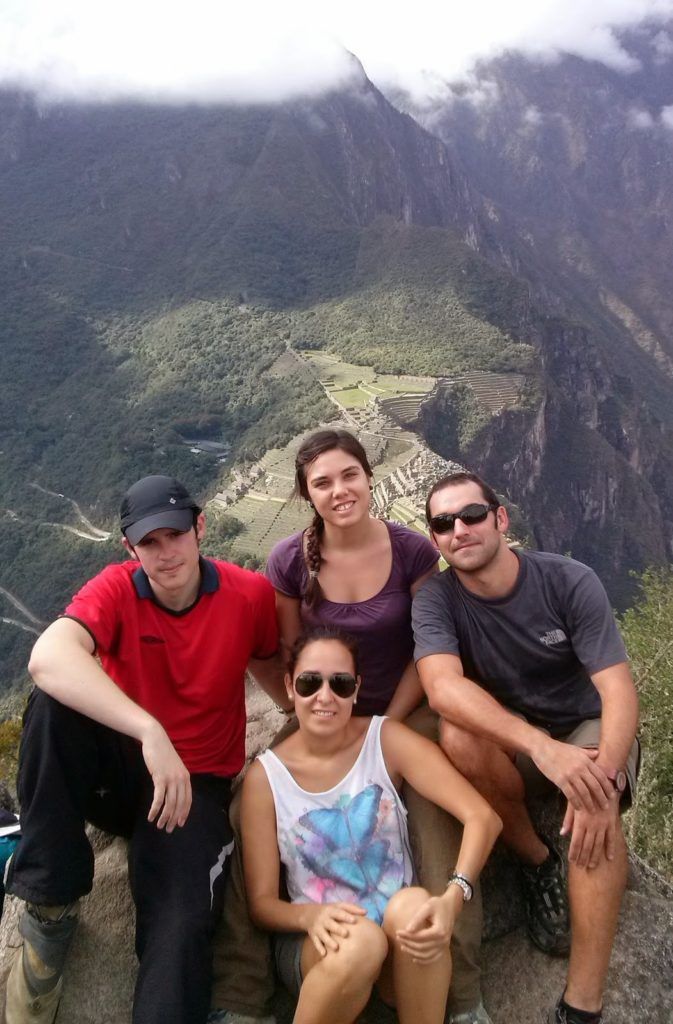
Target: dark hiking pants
{"type": "Point", "coordinates": [72, 771]}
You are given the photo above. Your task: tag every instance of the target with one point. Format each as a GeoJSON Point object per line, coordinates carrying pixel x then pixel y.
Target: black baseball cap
{"type": "Point", "coordinates": [156, 502]}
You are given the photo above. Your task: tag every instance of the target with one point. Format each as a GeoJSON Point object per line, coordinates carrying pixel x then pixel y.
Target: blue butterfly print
{"type": "Point", "coordinates": [345, 851]}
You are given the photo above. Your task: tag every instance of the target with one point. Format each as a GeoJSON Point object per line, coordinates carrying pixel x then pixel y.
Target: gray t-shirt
{"type": "Point", "coordinates": [535, 649]}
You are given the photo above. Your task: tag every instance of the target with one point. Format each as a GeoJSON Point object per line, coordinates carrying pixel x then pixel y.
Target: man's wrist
{"type": "Point", "coordinates": [617, 776]}
{"type": "Point", "coordinates": [534, 743]}
{"type": "Point", "coordinates": [148, 727]}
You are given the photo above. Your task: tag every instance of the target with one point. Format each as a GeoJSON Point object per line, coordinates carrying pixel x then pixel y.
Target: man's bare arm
{"type": "Point", "coordinates": [619, 714]}
{"type": "Point", "coordinates": [62, 664]}
{"type": "Point", "coordinates": [409, 692]}
{"type": "Point", "coordinates": [269, 674]}
{"type": "Point", "coordinates": [467, 705]}
{"type": "Point", "coordinates": [594, 835]}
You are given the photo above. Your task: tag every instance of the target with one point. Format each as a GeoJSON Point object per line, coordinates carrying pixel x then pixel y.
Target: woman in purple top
{"type": "Point", "coordinates": [352, 571]}
{"type": "Point", "coordinates": [359, 574]}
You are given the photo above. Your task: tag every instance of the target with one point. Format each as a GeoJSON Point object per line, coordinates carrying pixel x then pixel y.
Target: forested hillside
{"type": "Point", "coordinates": [156, 261]}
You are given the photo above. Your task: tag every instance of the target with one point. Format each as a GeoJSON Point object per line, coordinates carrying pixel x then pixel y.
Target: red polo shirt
{"type": "Point", "coordinates": [187, 668]}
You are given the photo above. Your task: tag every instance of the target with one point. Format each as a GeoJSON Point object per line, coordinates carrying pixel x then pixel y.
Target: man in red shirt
{"type": "Point", "coordinates": [137, 725]}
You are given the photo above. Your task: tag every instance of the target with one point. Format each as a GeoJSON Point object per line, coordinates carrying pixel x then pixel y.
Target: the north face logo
{"type": "Point", "coordinates": [554, 636]}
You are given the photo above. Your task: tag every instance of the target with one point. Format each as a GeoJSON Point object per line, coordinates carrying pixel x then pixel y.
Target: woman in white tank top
{"type": "Point", "coordinates": [325, 804]}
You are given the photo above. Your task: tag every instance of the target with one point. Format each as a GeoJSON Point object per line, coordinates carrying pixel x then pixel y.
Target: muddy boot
{"type": "Point", "coordinates": [34, 983]}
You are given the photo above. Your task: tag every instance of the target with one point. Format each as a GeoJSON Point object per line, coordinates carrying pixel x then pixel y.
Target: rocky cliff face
{"type": "Point", "coordinates": [579, 154]}
{"type": "Point", "coordinates": [180, 196]}
{"type": "Point", "coordinates": [577, 161]}
{"type": "Point", "coordinates": [588, 461]}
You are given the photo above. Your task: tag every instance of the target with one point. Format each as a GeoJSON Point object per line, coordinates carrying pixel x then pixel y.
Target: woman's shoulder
{"type": "Point", "coordinates": [285, 564]}
{"type": "Point", "coordinates": [407, 538]}
{"type": "Point", "coordinates": [288, 547]}
{"type": "Point", "coordinates": [411, 549]}
{"type": "Point", "coordinates": [399, 742]}
{"type": "Point", "coordinates": [256, 782]}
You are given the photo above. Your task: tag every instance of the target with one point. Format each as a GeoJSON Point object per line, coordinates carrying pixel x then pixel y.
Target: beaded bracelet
{"type": "Point", "coordinates": [464, 883]}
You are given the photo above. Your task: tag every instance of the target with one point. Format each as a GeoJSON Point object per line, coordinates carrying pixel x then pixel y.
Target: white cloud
{"type": "Point", "coordinates": [263, 50]}
{"type": "Point", "coordinates": [667, 116]}
{"type": "Point", "coordinates": [200, 51]}
{"type": "Point", "coordinates": [663, 46]}
{"type": "Point", "coordinates": [532, 117]}
{"type": "Point", "coordinates": [640, 118]}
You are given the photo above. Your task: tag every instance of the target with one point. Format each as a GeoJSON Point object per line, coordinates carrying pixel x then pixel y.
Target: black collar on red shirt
{"type": "Point", "coordinates": [210, 583]}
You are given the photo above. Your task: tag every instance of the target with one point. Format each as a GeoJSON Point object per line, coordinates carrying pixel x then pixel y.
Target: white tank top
{"type": "Point", "coordinates": [349, 843]}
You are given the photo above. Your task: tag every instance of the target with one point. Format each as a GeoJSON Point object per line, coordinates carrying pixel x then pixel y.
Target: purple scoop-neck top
{"type": "Point", "coordinates": [381, 624]}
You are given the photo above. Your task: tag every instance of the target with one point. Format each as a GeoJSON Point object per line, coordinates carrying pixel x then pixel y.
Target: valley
{"type": "Point", "coordinates": [381, 409]}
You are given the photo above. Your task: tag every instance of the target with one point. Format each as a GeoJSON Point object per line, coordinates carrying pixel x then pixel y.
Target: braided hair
{"type": "Point", "coordinates": [315, 445]}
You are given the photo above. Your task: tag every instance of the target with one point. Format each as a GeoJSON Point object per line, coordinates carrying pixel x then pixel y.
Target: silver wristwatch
{"type": "Point", "coordinates": [464, 883]}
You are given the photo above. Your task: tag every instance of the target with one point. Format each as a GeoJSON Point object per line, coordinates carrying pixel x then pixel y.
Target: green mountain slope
{"type": "Point", "coordinates": [156, 261]}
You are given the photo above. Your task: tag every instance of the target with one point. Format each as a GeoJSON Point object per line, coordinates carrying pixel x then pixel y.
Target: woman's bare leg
{"type": "Point", "coordinates": [420, 989]}
{"type": "Point", "coordinates": [337, 986]}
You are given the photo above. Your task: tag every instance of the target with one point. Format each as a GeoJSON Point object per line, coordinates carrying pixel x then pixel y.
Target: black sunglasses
{"type": "Point", "coordinates": [343, 684]}
{"type": "Point", "coordinates": [470, 515]}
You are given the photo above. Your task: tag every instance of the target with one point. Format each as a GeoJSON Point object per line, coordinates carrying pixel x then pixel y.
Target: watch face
{"type": "Point", "coordinates": [620, 781]}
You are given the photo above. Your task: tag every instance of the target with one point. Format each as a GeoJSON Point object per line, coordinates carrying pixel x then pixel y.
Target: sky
{"type": "Point", "coordinates": [266, 50]}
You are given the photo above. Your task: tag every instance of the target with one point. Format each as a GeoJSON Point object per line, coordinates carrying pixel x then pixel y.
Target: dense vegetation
{"type": "Point", "coordinates": [426, 285]}
{"type": "Point", "coordinates": [455, 420]}
{"type": "Point", "coordinates": [648, 632]}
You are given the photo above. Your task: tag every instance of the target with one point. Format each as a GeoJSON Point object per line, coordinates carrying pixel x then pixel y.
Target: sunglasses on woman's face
{"type": "Point", "coordinates": [470, 515]}
{"type": "Point", "coordinates": [342, 684]}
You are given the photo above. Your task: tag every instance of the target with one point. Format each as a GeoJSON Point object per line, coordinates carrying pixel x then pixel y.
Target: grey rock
{"type": "Point", "coordinates": [7, 802]}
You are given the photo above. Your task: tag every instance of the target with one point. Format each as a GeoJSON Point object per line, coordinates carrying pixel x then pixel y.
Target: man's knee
{"type": "Point", "coordinates": [180, 936]}
{"type": "Point", "coordinates": [44, 715]}
{"type": "Point", "coordinates": [467, 751]}
{"type": "Point", "coordinates": [605, 876]}
{"type": "Point", "coordinates": [424, 721]}
{"type": "Point", "coordinates": [486, 765]}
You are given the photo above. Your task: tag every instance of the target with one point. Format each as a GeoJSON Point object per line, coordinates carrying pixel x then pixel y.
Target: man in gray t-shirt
{"type": "Point", "coordinates": [520, 656]}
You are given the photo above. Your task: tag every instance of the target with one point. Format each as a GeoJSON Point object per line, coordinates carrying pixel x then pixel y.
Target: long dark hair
{"type": "Point", "coordinates": [305, 640]}
{"type": "Point", "coordinates": [315, 445]}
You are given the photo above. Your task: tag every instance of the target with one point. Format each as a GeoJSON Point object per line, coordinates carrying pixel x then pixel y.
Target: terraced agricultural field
{"type": "Point", "coordinates": [404, 512]}
{"type": "Point", "coordinates": [494, 390]}
{"type": "Point", "coordinates": [397, 453]}
{"type": "Point", "coordinates": [392, 385]}
{"type": "Point", "coordinates": [334, 373]}
{"type": "Point", "coordinates": [262, 503]}
{"type": "Point", "coordinates": [266, 520]}
{"type": "Point", "coordinates": [351, 398]}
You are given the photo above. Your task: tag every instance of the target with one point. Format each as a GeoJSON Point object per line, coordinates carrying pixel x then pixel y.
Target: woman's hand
{"type": "Point", "coordinates": [427, 936]}
{"type": "Point", "coordinates": [328, 922]}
